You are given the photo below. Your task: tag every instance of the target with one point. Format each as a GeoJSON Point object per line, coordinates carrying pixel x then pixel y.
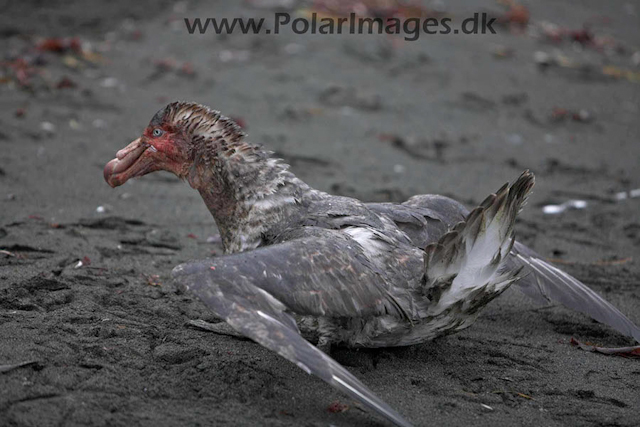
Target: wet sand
{"type": "Point", "coordinates": [85, 288]}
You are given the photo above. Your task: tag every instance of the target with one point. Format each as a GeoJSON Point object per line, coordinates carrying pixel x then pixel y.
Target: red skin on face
{"type": "Point", "coordinates": [147, 154]}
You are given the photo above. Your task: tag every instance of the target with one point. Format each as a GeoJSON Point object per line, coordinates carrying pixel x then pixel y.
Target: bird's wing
{"type": "Point", "coordinates": [546, 283]}
{"type": "Point", "coordinates": [424, 218]}
{"type": "Point", "coordinates": [252, 291]}
{"type": "Point", "coordinates": [324, 274]}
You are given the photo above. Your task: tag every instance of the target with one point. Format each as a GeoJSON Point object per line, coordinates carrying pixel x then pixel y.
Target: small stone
{"type": "Point", "coordinates": [109, 82]}
{"type": "Point", "coordinates": [99, 123]}
{"type": "Point", "coordinates": [48, 127]}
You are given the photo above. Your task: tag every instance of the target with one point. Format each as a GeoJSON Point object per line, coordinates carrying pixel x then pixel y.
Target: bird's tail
{"type": "Point", "coordinates": [462, 268]}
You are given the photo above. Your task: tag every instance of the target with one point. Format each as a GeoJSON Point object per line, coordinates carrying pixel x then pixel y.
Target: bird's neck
{"type": "Point", "coordinates": [247, 192]}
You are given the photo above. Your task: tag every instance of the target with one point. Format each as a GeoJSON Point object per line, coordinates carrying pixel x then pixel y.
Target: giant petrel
{"type": "Point", "coordinates": [357, 274]}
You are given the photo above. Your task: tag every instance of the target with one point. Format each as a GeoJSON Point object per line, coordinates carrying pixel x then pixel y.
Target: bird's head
{"type": "Point", "coordinates": [178, 137]}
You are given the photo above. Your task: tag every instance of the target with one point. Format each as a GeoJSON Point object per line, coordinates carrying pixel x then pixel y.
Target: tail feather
{"type": "Point", "coordinates": [463, 265]}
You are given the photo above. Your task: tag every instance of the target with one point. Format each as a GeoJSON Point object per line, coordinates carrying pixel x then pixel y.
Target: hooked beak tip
{"type": "Point", "coordinates": [108, 175]}
{"type": "Point", "coordinates": [123, 167]}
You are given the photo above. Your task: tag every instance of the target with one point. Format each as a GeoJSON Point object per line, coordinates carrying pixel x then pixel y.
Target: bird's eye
{"type": "Point", "coordinates": [157, 132]}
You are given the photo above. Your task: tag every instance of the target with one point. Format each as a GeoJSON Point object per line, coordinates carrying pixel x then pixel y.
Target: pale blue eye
{"type": "Point", "coordinates": [157, 132]}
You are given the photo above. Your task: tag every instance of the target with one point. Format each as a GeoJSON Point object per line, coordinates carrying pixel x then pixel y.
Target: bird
{"type": "Point", "coordinates": [300, 261]}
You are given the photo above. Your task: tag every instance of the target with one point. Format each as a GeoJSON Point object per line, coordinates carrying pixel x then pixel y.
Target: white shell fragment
{"type": "Point", "coordinates": [569, 204]}
{"type": "Point", "coordinates": [581, 204]}
{"type": "Point", "coordinates": [627, 194]}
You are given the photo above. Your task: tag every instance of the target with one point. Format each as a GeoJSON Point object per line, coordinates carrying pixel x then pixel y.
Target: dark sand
{"type": "Point", "coordinates": [109, 339]}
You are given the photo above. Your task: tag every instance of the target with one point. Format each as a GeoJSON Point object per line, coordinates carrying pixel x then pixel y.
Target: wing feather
{"type": "Point", "coordinates": [547, 283]}
{"type": "Point", "coordinates": [256, 314]}
{"type": "Point", "coordinates": [319, 276]}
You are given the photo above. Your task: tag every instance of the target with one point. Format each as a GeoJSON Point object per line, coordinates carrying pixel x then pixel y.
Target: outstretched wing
{"type": "Point", "coordinates": [253, 290]}
{"type": "Point", "coordinates": [547, 283]}
{"type": "Point", "coordinates": [325, 273]}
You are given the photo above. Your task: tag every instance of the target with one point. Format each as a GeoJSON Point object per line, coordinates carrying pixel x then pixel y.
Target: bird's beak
{"type": "Point", "coordinates": [130, 162]}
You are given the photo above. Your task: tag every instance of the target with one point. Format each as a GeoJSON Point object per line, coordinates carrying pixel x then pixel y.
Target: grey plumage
{"type": "Point", "coordinates": [547, 284]}
{"type": "Point", "coordinates": [366, 274]}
